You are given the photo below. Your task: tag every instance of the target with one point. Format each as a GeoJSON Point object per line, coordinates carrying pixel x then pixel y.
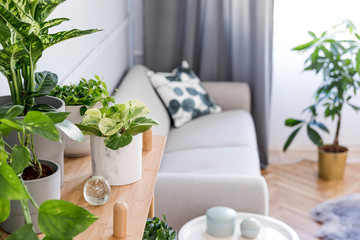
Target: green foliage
{"type": "Point", "coordinates": [86, 93]}
{"type": "Point", "coordinates": [156, 229]}
{"type": "Point", "coordinates": [24, 35]}
{"type": "Point", "coordinates": [118, 123]}
{"type": "Point", "coordinates": [57, 219]}
{"type": "Point", "coordinates": [338, 59]}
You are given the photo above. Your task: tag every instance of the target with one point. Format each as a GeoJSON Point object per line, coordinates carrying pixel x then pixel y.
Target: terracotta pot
{"type": "Point", "coordinates": [119, 167]}
{"type": "Point", "coordinates": [41, 190]}
{"type": "Point", "coordinates": [332, 164]}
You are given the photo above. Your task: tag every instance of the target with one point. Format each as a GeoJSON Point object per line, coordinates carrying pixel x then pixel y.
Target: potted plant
{"type": "Point", "coordinates": [338, 59]}
{"type": "Point", "coordinates": [24, 36]}
{"type": "Point", "coordinates": [78, 98]}
{"type": "Point", "coordinates": [116, 142]}
{"type": "Point", "coordinates": [24, 179]}
{"type": "Point", "coordinates": [156, 229]}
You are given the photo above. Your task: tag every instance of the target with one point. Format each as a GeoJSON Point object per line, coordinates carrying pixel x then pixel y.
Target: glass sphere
{"type": "Point", "coordinates": [97, 190]}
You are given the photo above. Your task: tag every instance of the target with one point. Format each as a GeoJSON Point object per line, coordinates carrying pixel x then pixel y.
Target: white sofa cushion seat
{"type": "Point", "coordinates": [230, 128]}
{"type": "Point", "coordinates": [236, 160]}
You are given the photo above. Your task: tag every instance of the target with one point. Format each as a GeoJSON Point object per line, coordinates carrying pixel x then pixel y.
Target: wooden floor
{"type": "Point", "coordinates": [295, 188]}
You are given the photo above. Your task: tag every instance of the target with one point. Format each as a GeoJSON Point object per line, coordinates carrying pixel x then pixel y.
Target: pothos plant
{"type": "Point", "coordinates": [118, 123]}
{"type": "Point", "coordinates": [336, 55]}
{"type": "Point", "coordinates": [24, 35]}
{"type": "Point", "coordinates": [57, 219]}
{"type": "Point", "coordinates": [156, 229]}
{"type": "Point", "coordinates": [86, 94]}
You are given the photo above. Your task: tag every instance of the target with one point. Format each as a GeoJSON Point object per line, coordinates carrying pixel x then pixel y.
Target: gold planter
{"type": "Point", "coordinates": [332, 164]}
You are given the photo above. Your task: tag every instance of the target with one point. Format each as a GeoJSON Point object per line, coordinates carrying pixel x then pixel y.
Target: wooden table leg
{"type": "Point", "coordinates": [151, 209]}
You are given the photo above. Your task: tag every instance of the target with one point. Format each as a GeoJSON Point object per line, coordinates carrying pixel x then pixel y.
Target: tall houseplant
{"type": "Point", "coordinates": [336, 55]}
{"type": "Point", "coordinates": [116, 140]}
{"type": "Point", "coordinates": [57, 219]}
{"type": "Point", "coordinates": [24, 35]}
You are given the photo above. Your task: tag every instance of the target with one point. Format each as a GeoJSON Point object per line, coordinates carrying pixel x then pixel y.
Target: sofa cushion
{"type": "Point", "coordinates": [182, 94]}
{"type": "Point", "coordinates": [236, 160]}
{"type": "Point", "coordinates": [136, 85]}
{"type": "Point", "coordinates": [225, 129]}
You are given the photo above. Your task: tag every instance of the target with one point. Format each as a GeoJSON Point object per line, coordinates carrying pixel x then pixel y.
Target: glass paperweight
{"type": "Point", "coordinates": [97, 190]}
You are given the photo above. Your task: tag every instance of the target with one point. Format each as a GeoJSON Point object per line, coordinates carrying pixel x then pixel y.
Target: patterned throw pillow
{"type": "Point", "coordinates": [182, 93]}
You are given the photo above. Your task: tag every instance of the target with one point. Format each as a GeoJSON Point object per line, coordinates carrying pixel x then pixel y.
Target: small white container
{"type": "Point", "coordinates": [250, 228]}
{"type": "Point", "coordinates": [220, 221]}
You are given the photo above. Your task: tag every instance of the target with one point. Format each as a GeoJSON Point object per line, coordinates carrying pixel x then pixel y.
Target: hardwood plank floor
{"type": "Point", "coordinates": [294, 189]}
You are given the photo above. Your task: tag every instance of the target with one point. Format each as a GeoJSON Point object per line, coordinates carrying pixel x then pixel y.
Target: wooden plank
{"type": "Point", "coordinates": [138, 195]}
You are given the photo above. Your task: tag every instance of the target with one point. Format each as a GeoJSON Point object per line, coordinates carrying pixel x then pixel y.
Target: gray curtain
{"type": "Point", "coordinates": [223, 40]}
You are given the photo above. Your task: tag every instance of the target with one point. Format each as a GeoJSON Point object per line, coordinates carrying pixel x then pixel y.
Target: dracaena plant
{"type": "Point", "coordinates": [118, 123]}
{"type": "Point", "coordinates": [336, 55]}
{"type": "Point", "coordinates": [57, 219]}
{"type": "Point", "coordinates": [86, 93]}
{"type": "Point", "coordinates": [24, 35]}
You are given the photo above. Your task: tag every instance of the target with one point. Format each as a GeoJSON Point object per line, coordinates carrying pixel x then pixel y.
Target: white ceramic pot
{"type": "Point", "coordinates": [41, 190]}
{"type": "Point", "coordinates": [44, 148]}
{"type": "Point", "coordinates": [74, 148]}
{"type": "Point", "coordinates": [119, 167]}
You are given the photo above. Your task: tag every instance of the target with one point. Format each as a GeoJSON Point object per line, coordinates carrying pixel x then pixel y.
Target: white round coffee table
{"type": "Point", "coordinates": [271, 229]}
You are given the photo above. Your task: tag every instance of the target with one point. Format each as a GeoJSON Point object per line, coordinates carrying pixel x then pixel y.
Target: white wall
{"type": "Point", "coordinates": [105, 53]}
{"type": "Point", "coordinates": [293, 88]}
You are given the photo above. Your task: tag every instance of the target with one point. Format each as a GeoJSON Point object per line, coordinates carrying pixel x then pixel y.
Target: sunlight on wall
{"type": "Point", "coordinates": [293, 89]}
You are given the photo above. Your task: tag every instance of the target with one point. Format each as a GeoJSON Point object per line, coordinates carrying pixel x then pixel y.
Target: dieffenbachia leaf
{"type": "Point", "coordinates": [52, 23]}
{"type": "Point", "coordinates": [44, 82]}
{"type": "Point", "coordinates": [44, 8]}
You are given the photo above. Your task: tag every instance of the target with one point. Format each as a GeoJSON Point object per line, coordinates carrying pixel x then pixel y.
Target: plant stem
{"type": "Point", "coordinates": [1, 236]}
{"type": "Point", "coordinates": [36, 160]}
{"type": "Point", "coordinates": [26, 211]}
{"type": "Point", "coordinates": [30, 197]}
{"type": "Point", "coordinates": [336, 140]}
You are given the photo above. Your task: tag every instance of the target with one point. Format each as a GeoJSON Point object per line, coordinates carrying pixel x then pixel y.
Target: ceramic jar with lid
{"type": "Point", "coordinates": [220, 221]}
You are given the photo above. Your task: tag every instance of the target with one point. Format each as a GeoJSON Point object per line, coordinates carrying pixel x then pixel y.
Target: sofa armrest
{"type": "Point", "coordinates": [182, 197]}
{"type": "Point", "coordinates": [230, 95]}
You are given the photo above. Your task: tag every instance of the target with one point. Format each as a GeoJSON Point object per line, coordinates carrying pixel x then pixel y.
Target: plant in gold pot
{"type": "Point", "coordinates": [335, 55]}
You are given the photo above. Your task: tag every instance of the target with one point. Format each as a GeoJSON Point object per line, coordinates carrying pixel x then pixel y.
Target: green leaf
{"type": "Point", "coordinates": [356, 108]}
{"type": "Point", "coordinates": [137, 129]}
{"type": "Point", "coordinates": [314, 136]}
{"type": "Point", "coordinates": [43, 108]}
{"type": "Point", "coordinates": [305, 46]}
{"type": "Point", "coordinates": [44, 8]}
{"type": "Point", "coordinates": [312, 34]}
{"type": "Point", "coordinates": [20, 158]}
{"type": "Point", "coordinates": [40, 124]}
{"type": "Point", "coordinates": [136, 109]}
{"type": "Point", "coordinates": [83, 109]}
{"type": "Point", "coordinates": [57, 117]}
{"type": "Point", "coordinates": [59, 219]}
{"type": "Point", "coordinates": [290, 122]}
{"type": "Point", "coordinates": [52, 23]}
{"type": "Point", "coordinates": [25, 232]}
{"type": "Point", "coordinates": [10, 185]}
{"type": "Point", "coordinates": [291, 138]}
{"type": "Point", "coordinates": [52, 39]}
{"type": "Point", "coordinates": [71, 130]}
{"type": "Point", "coordinates": [12, 124]}
{"type": "Point", "coordinates": [4, 209]}
{"type": "Point", "coordinates": [11, 111]}
{"type": "Point", "coordinates": [44, 83]}
{"type": "Point", "coordinates": [89, 130]}
{"type": "Point", "coordinates": [92, 116]}
{"type": "Point", "coordinates": [118, 140]}
{"type": "Point", "coordinates": [320, 125]}
{"type": "Point", "coordinates": [108, 126]}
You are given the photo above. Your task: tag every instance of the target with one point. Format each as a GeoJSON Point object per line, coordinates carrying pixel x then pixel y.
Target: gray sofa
{"type": "Point", "coordinates": [211, 161]}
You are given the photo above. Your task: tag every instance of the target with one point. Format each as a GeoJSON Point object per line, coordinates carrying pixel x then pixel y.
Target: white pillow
{"type": "Point", "coordinates": [183, 95]}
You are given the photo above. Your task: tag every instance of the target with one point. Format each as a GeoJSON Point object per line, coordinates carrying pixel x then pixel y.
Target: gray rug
{"type": "Point", "coordinates": [340, 218]}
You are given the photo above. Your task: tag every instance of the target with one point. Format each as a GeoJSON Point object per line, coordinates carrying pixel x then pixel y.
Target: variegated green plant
{"type": "Point", "coordinates": [118, 123]}
{"type": "Point", "coordinates": [24, 35]}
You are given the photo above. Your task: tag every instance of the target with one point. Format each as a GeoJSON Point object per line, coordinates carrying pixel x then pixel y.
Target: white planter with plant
{"type": "Point", "coordinates": [37, 199]}
{"type": "Point", "coordinates": [116, 142]}
{"type": "Point", "coordinates": [337, 56]}
{"type": "Point", "coordinates": [78, 98]}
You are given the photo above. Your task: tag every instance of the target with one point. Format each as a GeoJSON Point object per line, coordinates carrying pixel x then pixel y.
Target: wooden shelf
{"type": "Point", "coordinates": [138, 196]}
